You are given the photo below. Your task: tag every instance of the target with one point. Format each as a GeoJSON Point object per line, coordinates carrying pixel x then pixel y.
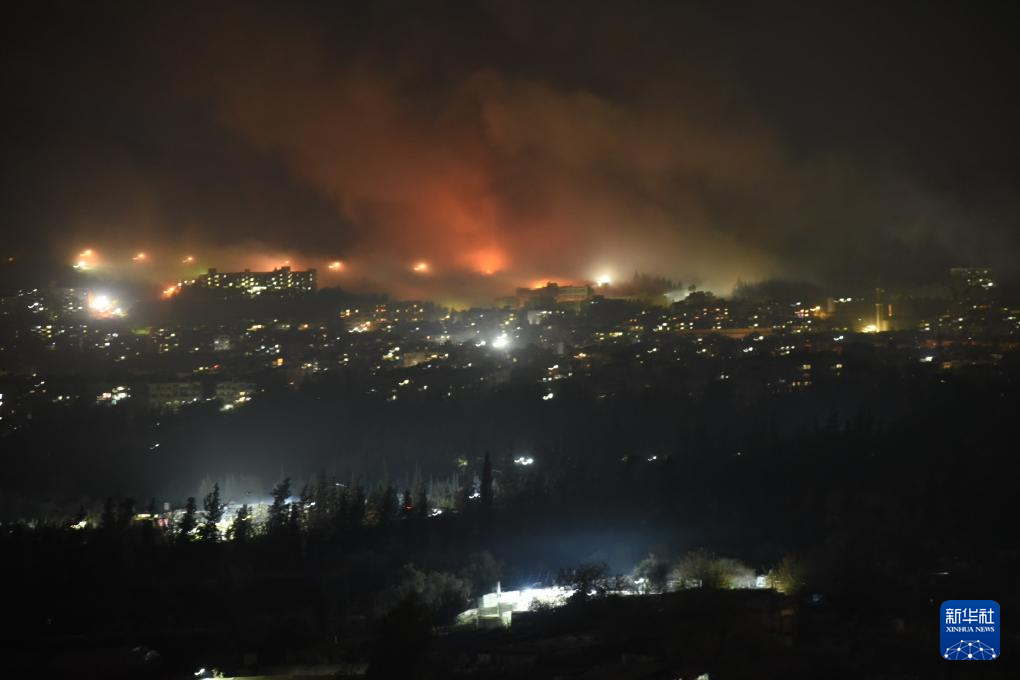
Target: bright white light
{"type": "Point", "coordinates": [524, 460]}
{"type": "Point", "coordinates": [604, 280]}
{"type": "Point", "coordinates": [101, 303]}
{"type": "Point", "coordinates": [548, 396]}
{"type": "Point", "coordinates": [501, 341]}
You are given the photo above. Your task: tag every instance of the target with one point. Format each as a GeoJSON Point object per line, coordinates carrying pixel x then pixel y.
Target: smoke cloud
{"type": "Point", "coordinates": [499, 144]}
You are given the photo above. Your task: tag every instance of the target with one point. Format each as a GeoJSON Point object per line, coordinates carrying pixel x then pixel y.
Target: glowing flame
{"type": "Point", "coordinates": [604, 280]}
{"type": "Point", "coordinates": [188, 259]}
{"type": "Point", "coordinates": [421, 267]}
{"type": "Point", "coordinates": [85, 260]}
{"type": "Point", "coordinates": [140, 257]}
{"type": "Point", "coordinates": [102, 306]}
{"type": "Point", "coordinates": [336, 265]}
{"type": "Point", "coordinates": [100, 303]}
{"type": "Point", "coordinates": [170, 291]}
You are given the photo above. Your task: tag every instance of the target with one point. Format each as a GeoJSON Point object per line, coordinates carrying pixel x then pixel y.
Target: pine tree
{"type": "Point", "coordinates": [108, 520]}
{"type": "Point", "coordinates": [188, 521]}
{"type": "Point", "coordinates": [386, 506]}
{"type": "Point", "coordinates": [358, 500]}
{"type": "Point", "coordinates": [406, 504]}
{"type": "Point", "coordinates": [210, 530]}
{"type": "Point", "coordinates": [149, 526]}
{"type": "Point", "coordinates": [240, 528]}
{"type": "Point", "coordinates": [296, 518]}
{"type": "Point", "coordinates": [276, 525]}
{"type": "Point", "coordinates": [126, 513]}
{"type": "Point", "coordinates": [341, 508]}
{"type": "Point", "coordinates": [321, 507]}
{"type": "Point", "coordinates": [421, 507]}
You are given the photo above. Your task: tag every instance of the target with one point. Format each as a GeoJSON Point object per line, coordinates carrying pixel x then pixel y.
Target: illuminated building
{"type": "Point", "coordinates": [233, 393]}
{"type": "Point", "coordinates": [113, 396]}
{"type": "Point", "coordinates": [170, 396]}
{"type": "Point", "coordinates": [553, 293]}
{"type": "Point", "coordinates": [282, 280]}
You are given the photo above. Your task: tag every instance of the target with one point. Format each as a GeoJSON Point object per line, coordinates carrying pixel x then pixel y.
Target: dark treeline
{"type": "Point", "coordinates": [884, 514]}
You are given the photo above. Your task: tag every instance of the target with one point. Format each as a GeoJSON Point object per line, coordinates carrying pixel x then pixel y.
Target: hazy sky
{"type": "Point", "coordinates": [505, 142]}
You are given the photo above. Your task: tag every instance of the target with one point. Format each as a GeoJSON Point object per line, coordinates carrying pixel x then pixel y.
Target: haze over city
{"type": "Point", "coordinates": [700, 143]}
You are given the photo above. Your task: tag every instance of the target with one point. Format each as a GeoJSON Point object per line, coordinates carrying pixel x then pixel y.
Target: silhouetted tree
{"type": "Point", "coordinates": [149, 525]}
{"type": "Point", "coordinates": [586, 580]}
{"type": "Point", "coordinates": [421, 506]}
{"type": "Point", "coordinates": [358, 501]}
{"type": "Point", "coordinates": [320, 508]}
{"type": "Point", "coordinates": [188, 521]}
{"type": "Point", "coordinates": [385, 505]}
{"type": "Point", "coordinates": [279, 515]}
{"type": "Point", "coordinates": [296, 516]}
{"type": "Point", "coordinates": [481, 572]}
{"type": "Point", "coordinates": [652, 574]}
{"type": "Point", "coordinates": [210, 530]}
{"type": "Point", "coordinates": [126, 513]}
{"type": "Point", "coordinates": [240, 528]}
{"type": "Point", "coordinates": [702, 569]}
{"type": "Point", "coordinates": [108, 520]}
{"type": "Point", "coordinates": [341, 508]}
{"type": "Point", "coordinates": [788, 578]}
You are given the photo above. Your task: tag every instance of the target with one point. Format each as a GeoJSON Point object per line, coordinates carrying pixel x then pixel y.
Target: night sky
{"type": "Point", "coordinates": [510, 142]}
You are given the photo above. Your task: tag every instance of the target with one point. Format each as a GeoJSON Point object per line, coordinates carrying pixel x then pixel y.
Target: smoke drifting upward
{"type": "Point", "coordinates": [496, 143]}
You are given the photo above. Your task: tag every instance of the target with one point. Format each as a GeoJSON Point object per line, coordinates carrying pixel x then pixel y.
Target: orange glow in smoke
{"type": "Point", "coordinates": [188, 259]}
{"type": "Point", "coordinates": [487, 261]}
{"type": "Point", "coordinates": [86, 260]}
{"type": "Point", "coordinates": [170, 291]}
{"type": "Point", "coordinates": [421, 267]}
{"type": "Point", "coordinates": [140, 257]}
{"type": "Point", "coordinates": [542, 283]}
{"type": "Point", "coordinates": [336, 265]}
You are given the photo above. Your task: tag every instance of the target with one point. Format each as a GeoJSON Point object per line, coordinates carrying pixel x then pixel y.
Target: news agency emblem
{"type": "Point", "coordinates": [970, 630]}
